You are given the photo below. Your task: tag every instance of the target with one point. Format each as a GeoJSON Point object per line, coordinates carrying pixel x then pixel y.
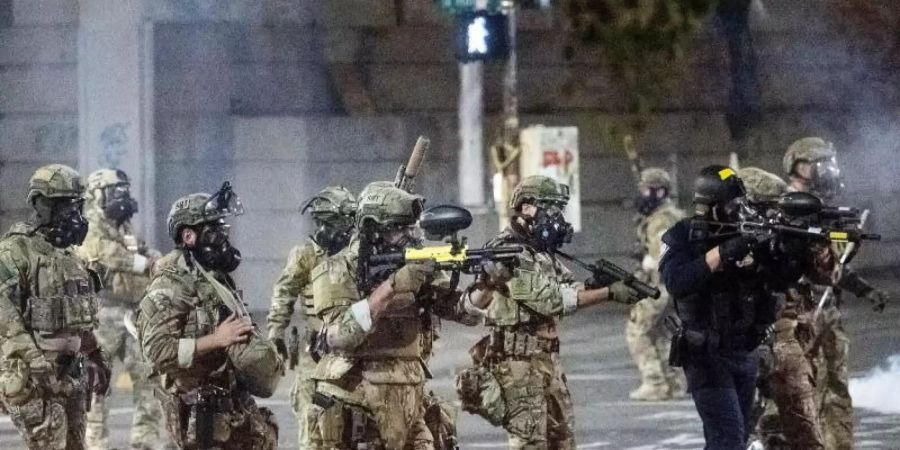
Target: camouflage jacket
{"type": "Point", "coordinates": [541, 290]}
{"type": "Point", "coordinates": [118, 257]}
{"type": "Point", "coordinates": [294, 283]}
{"type": "Point", "coordinates": [650, 231]}
{"type": "Point", "coordinates": [179, 307]}
{"type": "Point", "coordinates": [48, 303]}
{"type": "Point", "coordinates": [390, 350]}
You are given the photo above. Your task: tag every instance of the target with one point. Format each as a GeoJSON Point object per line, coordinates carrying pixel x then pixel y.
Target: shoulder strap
{"type": "Point", "coordinates": [226, 295]}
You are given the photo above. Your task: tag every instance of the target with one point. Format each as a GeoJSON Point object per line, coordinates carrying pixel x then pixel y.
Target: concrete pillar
{"type": "Point", "coordinates": [115, 97]}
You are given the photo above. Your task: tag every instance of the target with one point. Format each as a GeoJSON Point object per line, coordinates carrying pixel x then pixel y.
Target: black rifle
{"type": "Point", "coordinates": [606, 273]}
{"type": "Point", "coordinates": [441, 223]}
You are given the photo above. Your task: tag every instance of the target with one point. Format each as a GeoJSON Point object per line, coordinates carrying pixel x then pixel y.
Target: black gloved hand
{"type": "Point", "coordinates": [99, 373]}
{"type": "Point", "coordinates": [735, 249]}
{"type": "Point", "coordinates": [878, 298]}
{"type": "Point", "coordinates": [281, 348]}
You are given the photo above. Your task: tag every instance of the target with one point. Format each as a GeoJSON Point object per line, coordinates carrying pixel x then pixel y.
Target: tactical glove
{"type": "Point", "coordinates": [15, 381]}
{"type": "Point", "coordinates": [98, 372]}
{"type": "Point", "coordinates": [878, 298]}
{"type": "Point", "coordinates": [497, 273]}
{"type": "Point", "coordinates": [735, 249]}
{"type": "Point", "coordinates": [281, 348]}
{"type": "Point", "coordinates": [619, 292]}
{"type": "Point", "coordinates": [411, 277]}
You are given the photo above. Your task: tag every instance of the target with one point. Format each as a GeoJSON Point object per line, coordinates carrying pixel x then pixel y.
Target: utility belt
{"type": "Point", "coordinates": [690, 342]}
{"type": "Point", "coordinates": [61, 313]}
{"type": "Point", "coordinates": [509, 344]}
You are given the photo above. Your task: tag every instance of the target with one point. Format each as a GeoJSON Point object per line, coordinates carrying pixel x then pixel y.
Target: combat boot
{"type": "Point", "coordinates": [651, 393]}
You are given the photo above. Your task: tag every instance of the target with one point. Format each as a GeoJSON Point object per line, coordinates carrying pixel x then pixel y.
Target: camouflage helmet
{"type": "Point", "coordinates": [102, 178]}
{"type": "Point", "coordinates": [655, 177]}
{"type": "Point", "coordinates": [55, 181]}
{"type": "Point", "coordinates": [385, 204]}
{"type": "Point", "coordinates": [761, 186]}
{"type": "Point", "coordinates": [539, 188]}
{"type": "Point", "coordinates": [807, 149]}
{"type": "Point", "coordinates": [201, 207]}
{"type": "Point", "coordinates": [336, 200]}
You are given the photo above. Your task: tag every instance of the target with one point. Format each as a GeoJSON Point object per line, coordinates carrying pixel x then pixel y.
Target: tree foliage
{"type": "Point", "coordinates": [644, 43]}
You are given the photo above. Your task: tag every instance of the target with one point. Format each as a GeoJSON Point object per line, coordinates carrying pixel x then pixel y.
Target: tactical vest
{"type": "Point", "coordinates": [398, 335]}
{"type": "Point", "coordinates": [120, 287]}
{"type": "Point", "coordinates": [206, 311]}
{"type": "Point", "coordinates": [60, 298]}
{"type": "Point", "coordinates": [731, 311]}
{"type": "Point", "coordinates": [666, 212]}
{"type": "Point", "coordinates": [506, 311]}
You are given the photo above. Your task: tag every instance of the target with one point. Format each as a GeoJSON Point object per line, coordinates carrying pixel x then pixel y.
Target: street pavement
{"type": "Point", "coordinates": [600, 375]}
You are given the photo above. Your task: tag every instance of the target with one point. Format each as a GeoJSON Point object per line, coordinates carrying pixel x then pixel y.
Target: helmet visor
{"type": "Point", "coordinates": [826, 178]}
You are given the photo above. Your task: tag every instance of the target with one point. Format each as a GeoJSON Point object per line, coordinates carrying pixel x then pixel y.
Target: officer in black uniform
{"type": "Point", "coordinates": [722, 283]}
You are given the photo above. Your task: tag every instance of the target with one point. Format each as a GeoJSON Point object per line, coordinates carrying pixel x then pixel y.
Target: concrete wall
{"type": "Point", "coordinates": [38, 94]}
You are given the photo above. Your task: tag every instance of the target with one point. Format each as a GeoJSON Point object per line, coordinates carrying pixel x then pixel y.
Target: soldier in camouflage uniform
{"type": "Point", "coordinates": [333, 210]}
{"type": "Point", "coordinates": [209, 358]}
{"type": "Point", "coordinates": [124, 264]}
{"type": "Point", "coordinates": [376, 326]}
{"type": "Point", "coordinates": [811, 166]}
{"type": "Point", "coordinates": [645, 332]}
{"type": "Point", "coordinates": [49, 359]}
{"type": "Point", "coordinates": [789, 414]}
{"type": "Point", "coordinates": [518, 382]}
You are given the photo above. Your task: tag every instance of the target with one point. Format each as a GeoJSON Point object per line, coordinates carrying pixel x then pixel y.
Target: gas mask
{"type": "Point", "coordinates": [332, 233]}
{"type": "Point", "coordinates": [393, 238]}
{"type": "Point", "coordinates": [62, 221]}
{"type": "Point", "coordinates": [646, 204]}
{"type": "Point", "coordinates": [118, 205]}
{"type": "Point", "coordinates": [547, 229]}
{"type": "Point", "coordinates": [735, 210]}
{"type": "Point", "coordinates": [824, 178]}
{"type": "Point", "coordinates": [213, 249]}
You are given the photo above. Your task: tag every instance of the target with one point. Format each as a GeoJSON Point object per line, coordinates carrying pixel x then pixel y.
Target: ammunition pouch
{"type": "Point", "coordinates": [31, 413]}
{"type": "Point", "coordinates": [62, 313]}
{"type": "Point", "coordinates": [360, 432]}
{"type": "Point", "coordinates": [480, 393]}
{"type": "Point", "coordinates": [519, 345]}
{"type": "Point", "coordinates": [191, 417]}
{"type": "Point", "coordinates": [258, 367]}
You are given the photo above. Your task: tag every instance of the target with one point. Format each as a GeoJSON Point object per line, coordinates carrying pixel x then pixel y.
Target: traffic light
{"type": "Point", "coordinates": [481, 36]}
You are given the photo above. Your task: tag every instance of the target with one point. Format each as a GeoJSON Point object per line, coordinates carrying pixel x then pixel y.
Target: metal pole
{"type": "Point", "coordinates": [509, 177]}
{"type": "Point", "coordinates": [470, 173]}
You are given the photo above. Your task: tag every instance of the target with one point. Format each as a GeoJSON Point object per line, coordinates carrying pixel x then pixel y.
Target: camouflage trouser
{"type": "Point", "coordinates": [53, 418]}
{"type": "Point", "coordinates": [539, 412]}
{"type": "Point", "coordinates": [792, 422]}
{"type": "Point", "coordinates": [395, 413]}
{"type": "Point", "coordinates": [301, 394]}
{"type": "Point", "coordinates": [147, 419]}
{"type": "Point", "coordinates": [648, 342]}
{"type": "Point", "coordinates": [244, 427]}
{"type": "Point", "coordinates": [440, 418]}
{"type": "Point", "coordinates": [833, 396]}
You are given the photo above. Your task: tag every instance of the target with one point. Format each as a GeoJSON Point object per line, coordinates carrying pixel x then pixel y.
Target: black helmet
{"type": "Point", "coordinates": [717, 185]}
